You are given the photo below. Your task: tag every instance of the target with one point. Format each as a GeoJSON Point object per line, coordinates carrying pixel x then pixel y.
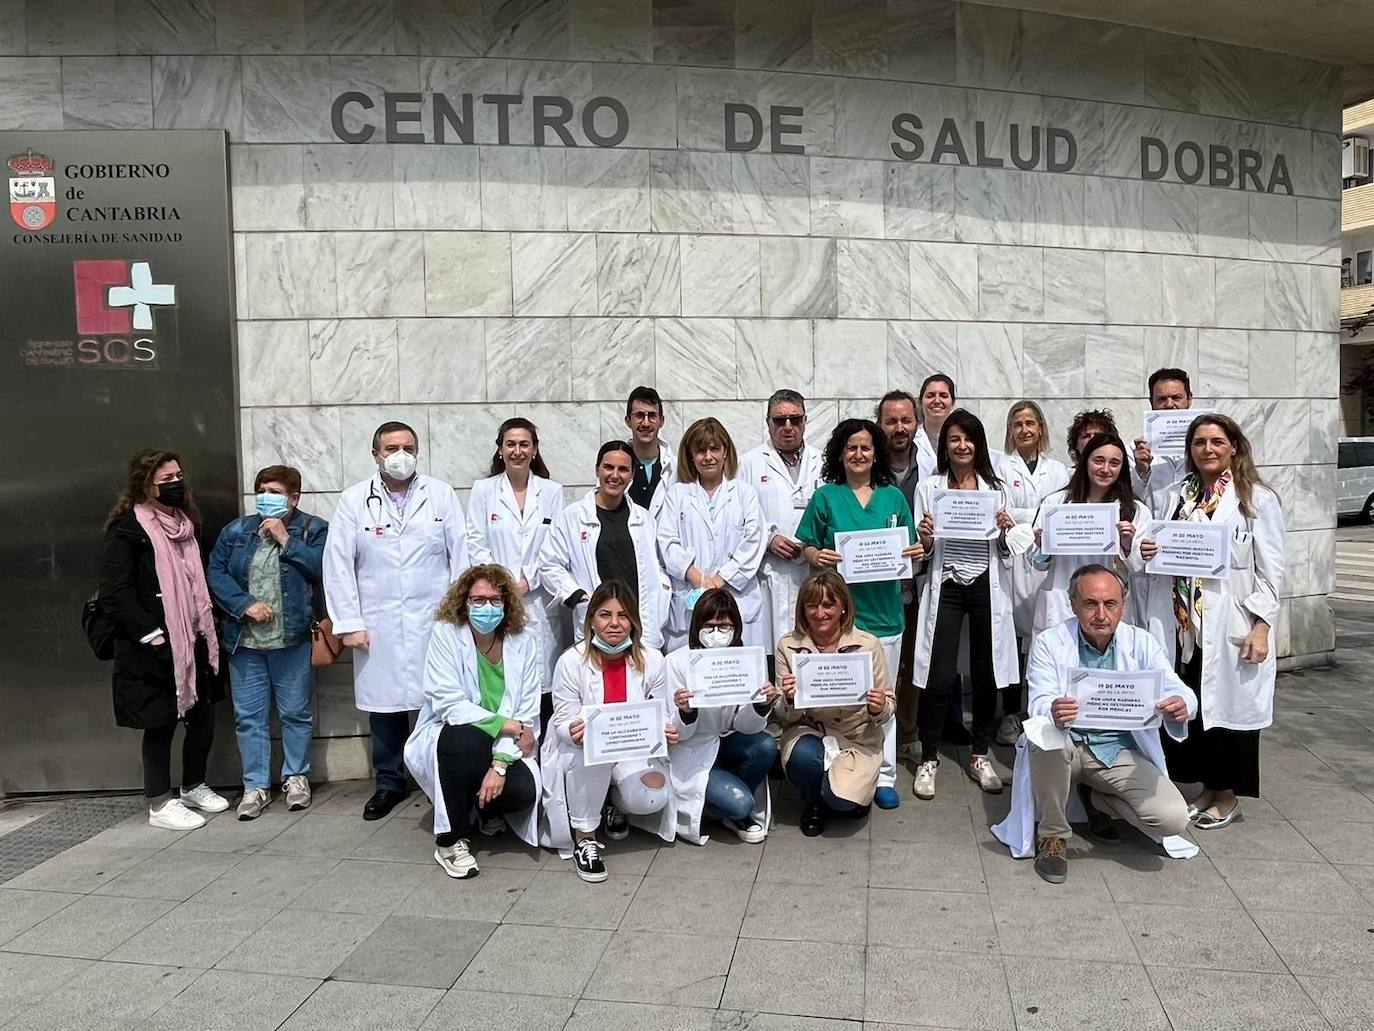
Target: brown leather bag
{"type": "Point", "coordinates": [325, 645]}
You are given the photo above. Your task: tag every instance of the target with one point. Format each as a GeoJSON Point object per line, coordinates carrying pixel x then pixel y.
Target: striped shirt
{"type": "Point", "coordinates": [965, 561]}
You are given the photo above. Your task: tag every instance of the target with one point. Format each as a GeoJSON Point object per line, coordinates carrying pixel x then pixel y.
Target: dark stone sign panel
{"type": "Point", "coordinates": [116, 334]}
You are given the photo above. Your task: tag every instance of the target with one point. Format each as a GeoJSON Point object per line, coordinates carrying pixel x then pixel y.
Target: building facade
{"type": "Point", "coordinates": [451, 212]}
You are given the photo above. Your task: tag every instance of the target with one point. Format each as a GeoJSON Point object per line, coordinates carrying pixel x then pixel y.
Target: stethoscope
{"type": "Point", "coordinates": [372, 495]}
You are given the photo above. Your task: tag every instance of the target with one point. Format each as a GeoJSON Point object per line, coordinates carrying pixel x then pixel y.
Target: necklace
{"type": "Point", "coordinates": [486, 652]}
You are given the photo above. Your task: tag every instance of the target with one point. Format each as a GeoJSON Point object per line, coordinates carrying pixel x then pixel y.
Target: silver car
{"type": "Point", "coordinates": [1355, 477]}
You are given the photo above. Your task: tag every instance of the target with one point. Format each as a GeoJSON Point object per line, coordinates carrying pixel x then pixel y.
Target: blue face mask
{"type": "Point", "coordinates": [273, 506]}
{"type": "Point", "coordinates": [693, 596]}
{"type": "Point", "coordinates": [486, 618]}
{"type": "Point", "coordinates": [611, 649]}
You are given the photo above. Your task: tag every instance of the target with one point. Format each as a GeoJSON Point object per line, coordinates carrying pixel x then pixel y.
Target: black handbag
{"type": "Point", "coordinates": [99, 630]}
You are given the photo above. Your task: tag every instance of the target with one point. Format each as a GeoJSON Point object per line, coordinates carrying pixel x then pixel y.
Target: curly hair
{"type": "Point", "coordinates": [138, 488]}
{"type": "Point", "coordinates": [1102, 418]}
{"type": "Point", "coordinates": [832, 464]}
{"type": "Point", "coordinates": [454, 608]}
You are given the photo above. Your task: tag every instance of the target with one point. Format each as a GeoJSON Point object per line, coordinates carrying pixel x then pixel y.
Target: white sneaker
{"type": "Point", "coordinates": [456, 860]}
{"type": "Point", "coordinates": [297, 790]}
{"type": "Point", "coordinates": [204, 798]}
{"type": "Point", "coordinates": [980, 769]}
{"type": "Point", "coordinates": [254, 801]}
{"type": "Point", "coordinates": [1008, 731]}
{"type": "Point", "coordinates": [173, 816]}
{"type": "Point", "coordinates": [924, 784]}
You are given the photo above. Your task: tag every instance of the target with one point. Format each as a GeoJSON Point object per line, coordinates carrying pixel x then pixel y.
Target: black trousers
{"type": "Point", "coordinates": [1219, 759]}
{"type": "Point", "coordinates": [464, 759]}
{"type": "Point", "coordinates": [195, 751]}
{"type": "Point", "coordinates": [958, 601]}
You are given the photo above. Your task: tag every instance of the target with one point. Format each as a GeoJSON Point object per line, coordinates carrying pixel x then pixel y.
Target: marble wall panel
{"type": "Point", "coordinates": [259, 26]}
{"type": "Point", "coordinates": [1080, 58]}
{"type": "Point", "coordinates": [348, 187]}
{"type": "Point", "coordinates": [304, 437]}
{"type": "Point", "coordinates": [553, 273]}
{"type": "Point", "coordinates": [771, 354]}
{"type": "Point", "coordinates": [450, 27]}
{"type": "Point", "coordinates": [1113, 214]}
{"type": "Point", "coordinates": [873, 278]}
{"type": "Point", "coordinates": [1114, 360]}
{"type": "Point", "coordinates": [692, 192]}
{"type": "Point", "coordinates": [529, 79]}
{"type": "Point", "coordinates": [1223, 364]}
{"type": "Point", "coordinates": [851, 358]}
{"type": "Point", "coordinates": [610, 357]}
{"type": "Point", "coordinates": [467, 274]}
{"type": "Point", "coordinates": [720, 276]}
{"type": "Point", "coordinates": [774, 193]}
{"type": "Point", "coordinates": [198, 93]}
{"type": "Point", "coordinates": [865, 109]}
{"type": "Point", "coordinates": [990, 359]}
{"type": "Point", "coordinates": [1135, 287]}
{"type": "Point", "coordinates": [701, 98]}
{"type": "Point", "coordinates": [610, 30]}
{"type": "Point", "coordinates": [944, 280]}
{"type": "Point", "coordinates": [773, 34]}
{"type": "Point", "coordinates": [918, 201]}
{"type": "Point", "coordinates": [523, 188]}
{"type": "Point", "coordinates": [436, 188]}
{"type": "Point", "coordinates": [1318, 364]}
{"type": "Point", "coordinates": [921, 40]}
{"type": "Point", "coordinates": [695, 358]}
{"type": "Point", "coordinates": [917, 349]}
{"type": "Point", "coordinates": [1170, 217]}
{"type": "Point", "coordinates": [14, 35]}
{"type": "Point", "coordinates": [1174, 347]}
{"type": "Point", "coordinates": [165, 26]}
{"type": "Point", "coordinates": [698, 32]}
{"type": "Point", "coordinates": [76, 27]}
{"type": "Point", "coordinates": [274, 362]}
{"type": "Point", "coordinates": [1075, 285]}
{"type": "Point", "coordinates": [1011, 283]}
{"type": "Point", "coordinates": [1273, 227]}
{"type": "Point", "coordinates": [106, 93]}
{"type": "Point", "coordinates": [815, 94]}
{"type": "Point", "coordinates": [380, 274]}
{"type": "Point", "coordinates": [990, 44]}
{"type": "Point", "coordinates": [798, 277]}
{"type": "Point", "coordinates": [527, 28]}
{"type": "Point", "coordinates": [1325, 298]}
{"type": "Point", "coordinates": [241, 275]}
{"type": "Point", "coordinates": [846, 198]}
{"type": "Point", "coordinates": [1287, 432]}
{"type": "Point", "coordinates": [441, 360]}
{"type": "Point", "coordinates": [608, 190]}
{"type": "Point", "coordinates": [1319, 231]}
{"type": "Point", "coordinates": [529, 360]}
{"type": "Point", "coordinates": [286, 99]}
{"type": "Point", "coordinates": [1287, 296]}
{"type": "Point", "coordinates": [357, 423]}
{"type": "Point", "coordinates": [455, 76]}
{"type": "Point", "coordinates": [653, 122]}
{"type": "Point", "coordinates": [1055, 206]}
{"type": "Point", "coordinates": [573, 435]}
{"type": "Point", "coordinates": [374, 75]}
{"type": "Point", "coordinates": [1052, 361]}
{"type": "Point", "coordinates": [1190, 295]}
{"type": "Point", "coordinates": [638, 274]}
{"type": "Point", "coordinates": [1223, 223]}
{"type": "Point", "coordinates": [353, 361]}
{"type": "Point", "coordinates": [290, 275]}
{"type": "Point", "coordinates": [268, 184]}
{"type": "Point", "coordinates": [1122, 129]}
{"type": "Point", "coordinates": [1240, 294]}
{"type": "Point", "coordinates": [1325, 416]}
{"type": "Point", "coordinates": [1273, 363]}
{"type": "Point", "coordinates": [848, 37]}
{"type": "Point", "coordinates": [989, 205]}
{"type": "Point", "coordinates": [1171, 71]}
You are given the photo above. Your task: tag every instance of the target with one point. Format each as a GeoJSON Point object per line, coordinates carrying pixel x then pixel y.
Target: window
{"type": "Point", "coordinates": [1364, 268]}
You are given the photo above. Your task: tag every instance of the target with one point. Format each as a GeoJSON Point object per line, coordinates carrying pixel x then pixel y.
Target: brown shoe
{"type": "Point", "coordinates": [1051, 860]}
{"type": "Point", "coordinates": [1100, 826]}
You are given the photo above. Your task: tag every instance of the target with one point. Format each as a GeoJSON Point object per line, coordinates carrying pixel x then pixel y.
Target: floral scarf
{"type": "Point", "coordinates": [1196, 505]}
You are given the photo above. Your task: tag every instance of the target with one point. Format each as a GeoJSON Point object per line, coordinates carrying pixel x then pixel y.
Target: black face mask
{"type": "Point", "coordinates": [172, 493]}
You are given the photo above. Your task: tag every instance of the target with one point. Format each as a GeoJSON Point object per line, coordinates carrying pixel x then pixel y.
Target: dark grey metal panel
{"type": "Point", "coordinates": [99, 358]}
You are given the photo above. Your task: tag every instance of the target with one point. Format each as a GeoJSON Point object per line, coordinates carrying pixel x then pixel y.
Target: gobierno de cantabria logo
{"type": "Point", "coordinates": [33, 193]}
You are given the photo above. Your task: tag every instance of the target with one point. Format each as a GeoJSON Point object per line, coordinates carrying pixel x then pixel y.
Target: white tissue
{"type": "Point", "coordinates": [1043, 734]}
{"type": "Point", "coordinates": [1020, 539]}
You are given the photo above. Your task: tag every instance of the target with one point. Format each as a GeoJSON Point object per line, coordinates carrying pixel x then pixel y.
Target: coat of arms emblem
{"type": "Point", "coordinates": [33, 191]}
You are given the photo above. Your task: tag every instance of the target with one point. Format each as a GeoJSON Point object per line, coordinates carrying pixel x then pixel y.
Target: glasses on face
{"type": "Point", "coordinates": [484, 599]}
{"type": "Point", "coordinates": [644, 417]}
{"type": "Point", "coordinates": [787, 420]}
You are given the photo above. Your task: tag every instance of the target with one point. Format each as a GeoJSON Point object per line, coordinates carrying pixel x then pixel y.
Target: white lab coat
{"type": "Point", "coordinates": [926, 457]}
{"type": "Point", "coordinates": [576, 684]}
{"type": "Point", "coordinates": [452, 696]}
{"type": "Point", "coordinates": [386, 574]}
{"type": "Point", "coordinates": [691, 759]}
{"type": "Point", "coordinates": [1166, 471]}
{"type": "Point", "coordinates": [498, 531]}
{"type": "Point", "coordinates": [724, 538]}
{"type": "Point", "coordinates": [782, 502]}
{"type": "Point", "coordinates": [1053, 654]}
{"type": "Point", "coordinates": [667, 460]}
{"type": "Point", "coordinates": [1235, 694]}
{"type": "Point", "coordinates": [1052, 600]}
{"type": "Point", "coordinates": [567, 564]}
{"type": "Point", "coordinates": [1026, 490]}
{"type": "Point", "coordinates": [1006, 669]}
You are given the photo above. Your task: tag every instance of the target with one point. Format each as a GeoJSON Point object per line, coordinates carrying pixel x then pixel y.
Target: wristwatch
{"type": "Point", "coordinates": [498, 768]}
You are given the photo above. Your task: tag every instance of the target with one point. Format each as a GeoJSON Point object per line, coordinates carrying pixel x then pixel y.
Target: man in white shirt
{"type": "Point", "coordinates": [1151, 477]}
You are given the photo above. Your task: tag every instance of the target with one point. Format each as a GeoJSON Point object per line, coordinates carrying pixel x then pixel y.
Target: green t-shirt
{"type": "Point", "coordinates": [835, 509]}
{"type": "Point", "coordinates": [491, 688]}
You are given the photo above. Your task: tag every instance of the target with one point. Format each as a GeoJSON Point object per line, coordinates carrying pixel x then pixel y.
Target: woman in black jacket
{"type": "Point", "coordinates": [166, 655]}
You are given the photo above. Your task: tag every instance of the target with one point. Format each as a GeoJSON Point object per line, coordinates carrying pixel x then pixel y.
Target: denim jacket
{"type": "Point", "coordinates": [301, 579]}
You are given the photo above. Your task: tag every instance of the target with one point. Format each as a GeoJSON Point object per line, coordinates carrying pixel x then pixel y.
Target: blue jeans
{"type": "Point", "coordinates": [258, 676]}
{"type": "Point", "coordinates": [741, 766]}
{"type": "Point", "coordinates": [806, 769]}
{"type": "Point", "coordinates": [389, 733]}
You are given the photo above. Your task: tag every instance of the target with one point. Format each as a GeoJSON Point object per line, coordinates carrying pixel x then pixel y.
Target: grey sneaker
{"type": "Point", "coordinates": [297, 790]}
{"type": "Point", "coordinates": [1009, 730]}
{"type": "Point", "coordinates": [254, 801]}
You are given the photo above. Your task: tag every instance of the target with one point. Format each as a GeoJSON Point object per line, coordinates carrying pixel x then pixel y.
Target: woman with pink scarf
{"type": "Point", "coordinates": [166, 661]}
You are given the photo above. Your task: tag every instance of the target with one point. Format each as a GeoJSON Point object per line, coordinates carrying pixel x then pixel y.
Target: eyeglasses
{"type": "Point", "coordinates": [787, 420]}
{"type": "Point", "coordinates": [645, 417]}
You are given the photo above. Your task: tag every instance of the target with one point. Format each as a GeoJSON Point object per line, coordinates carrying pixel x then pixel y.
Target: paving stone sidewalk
{"type": "Point", "coordinates": [913, 918]}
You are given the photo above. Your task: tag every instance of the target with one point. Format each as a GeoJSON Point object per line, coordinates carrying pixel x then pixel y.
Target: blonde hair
{"type": "Point", "coordinates": [1027, 405]}
{"type": "Point", "coordinates": [613, 590]}
{"type": "Point", "coordinates": [454, 607]}
{"type": "Point", "coordinates": [701, 434]}
{"type": "Point", "coordinates": [1244, 476]}
{"type": "Point", "coordinates": [821, 586]}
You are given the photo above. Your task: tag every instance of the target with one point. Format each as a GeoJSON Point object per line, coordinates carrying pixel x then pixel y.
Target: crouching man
{"type": "Point", "coordinates": [1120, 774]}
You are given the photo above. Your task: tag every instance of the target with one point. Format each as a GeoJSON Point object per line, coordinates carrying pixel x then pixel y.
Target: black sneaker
{"type": "Point", "coordinates": [587, 856]}
{"type": "Point", "coordinates": [748, 830]}
{"type": "Point", "coordinates": [1052, 861]}
{"type": "Point", "coordinates": [614, 823]}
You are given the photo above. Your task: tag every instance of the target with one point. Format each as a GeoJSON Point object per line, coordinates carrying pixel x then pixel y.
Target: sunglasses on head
{"type": "Point", "coordinates": [788, 420]}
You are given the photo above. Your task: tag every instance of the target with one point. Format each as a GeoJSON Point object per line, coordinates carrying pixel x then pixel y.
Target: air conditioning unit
{"type": "Point", "coordinates": [1355, 160]}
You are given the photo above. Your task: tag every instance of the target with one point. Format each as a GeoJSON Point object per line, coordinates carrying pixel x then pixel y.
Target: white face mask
{"type": "Point", "coordinates": [716, 636]}
{"type": "Point", "coordinates": [399, 465]}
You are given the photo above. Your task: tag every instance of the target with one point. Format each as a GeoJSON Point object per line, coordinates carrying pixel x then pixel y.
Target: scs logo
{"type": "Point", "coordinates": [116, 301]}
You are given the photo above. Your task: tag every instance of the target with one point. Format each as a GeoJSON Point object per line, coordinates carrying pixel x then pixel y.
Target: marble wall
{"type": "Point", "coordinates": [454, 285]}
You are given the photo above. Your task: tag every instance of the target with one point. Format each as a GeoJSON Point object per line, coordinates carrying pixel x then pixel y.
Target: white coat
{"type": "Point", "coordinates": [691, 759]}
{"type": "Point", "coordinates": [386, 574]}
{"type": "Point", "coordinates": [1052, 600]}
{"type": "Point", "coordinates": [1166, 472]}
{"type": "Point", "coordinates": [1006, 669]}
{"type": "Point", "coordinates": [499, 531]}
{"type": "Point", "coordinates": [1053, 654]}
{"type": "Point", "coordinates": [577, 683]}
{"type": "Point", "coordinates": [782, 502]}
{"type": "Point", "coordinates": [1235, 694]}
{"type": "Point", "coordinates": [452, 696]}
{"type": "Point", "coordinates": [1026, 490]}
{"type": "Point", "coordinates": [667, 461]}
{"type": "Point", "coordinates": [567, 564]}
{"type": "Point", "coordinates": [721, 535]}
{"type": "Point", "coordinates": [927, 461]}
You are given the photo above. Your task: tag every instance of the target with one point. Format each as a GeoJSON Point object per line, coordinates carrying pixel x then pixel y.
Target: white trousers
{"type": "Point", "coordinates": [892, 654]}
{"type": "Point", "coordinates": [587, 787]}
